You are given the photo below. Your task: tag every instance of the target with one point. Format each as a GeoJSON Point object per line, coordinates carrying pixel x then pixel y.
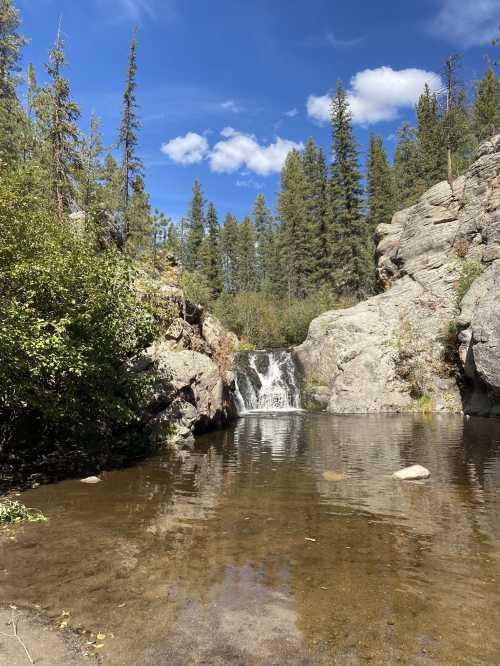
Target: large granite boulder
{"type": "Point", "coordinates": [479, 337]}
{"type": "Point", "coordinates": [397, 351]}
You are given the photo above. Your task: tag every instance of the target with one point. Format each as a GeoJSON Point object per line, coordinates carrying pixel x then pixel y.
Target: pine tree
{"type": "Point", "coordinates": [211, 254]}
{"type": "Point", "coordinates": [406, 168]}
{"type": "Point", "coordinates": [486, 118]}
{"type": "Point", "coordinates": [140, 222]}
{"type": "Point", "coordinates": [431, 150]}
{"type": "Point", "coordinates": [195, 229]}
{"type": "Point", "coordinates": [316, 173]}
{"type": "Point", "coordinates": [353, 259]}
{"type": "Point", "coordinates": [245, 268]}
{"type": "Point", "coordinates": [131, 164]}
{"type": "Point", "coordinates": [380, 187]}
{"type": "Point", "coordinates": [63, 135]}
{"type": "Point", "coordinates": [455, 123]}
{"type": "Point", "coordinates": [91, 150]}
{"type": "Point", "coordinates": [11, 44]}
{"type": "Point", "coordinates": [230, 251]}
{"type": "Point", "coordinates": [263, 223]}
{"type": "Point", "coordinates": [12, 118]}
{"type": "Point", "coordinates": [296, 236]}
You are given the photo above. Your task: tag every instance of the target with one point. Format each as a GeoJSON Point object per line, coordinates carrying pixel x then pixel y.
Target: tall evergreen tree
{"type": "Point", "coordinates": [12, 118]}
{"type": "Point", "coordinates": [131, 164]}
{"type": "Point", "coordinates": [140, 237]}
{"type": "Point", "coordinates": [63, 135]}
{"type": "Point", "coordinates": [380, 186]}
{"type": "Point", "coordinates": [353, 259]}
{"type": "Point", "coordinates": [211, 253]}
{"type": "Point", "coordinates": [455, 123]}
{"type": "Point", "coordinates": [230, 250]}
{"type": "Point", "coordinates": [11, 44]}
{"type": "Point", "coordinates": [486, 111]}
{"type": "Point", "coordinates": [406, 168]}
{"type": "Point", "coordinates": [263, 223]}
{"type": "Point", "coordinates": [316, 173]}
{"type": "Point", "coordinates": [195, 228]}
{"type": "Point", "coordinates": [431, 149]}
{"type": "Point", "coordinates": [296, 231]}
{"type": "Point", "coordinates": [245, 268]}
{"type": "Point", "coordinates": [91, 150]}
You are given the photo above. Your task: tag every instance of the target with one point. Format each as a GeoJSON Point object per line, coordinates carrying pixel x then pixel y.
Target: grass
{"type": "Point", "coordinates": [12, 511]}
{"type": "Point", "coordinates": [425, 404]}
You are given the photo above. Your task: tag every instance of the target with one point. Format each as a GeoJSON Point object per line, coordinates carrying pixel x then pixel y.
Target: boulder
{"type": "Point", "coordinates": [412, 473]}
{"type": "Point", "coordinates": [397, 351]}
{"type": "Point", "coordinates": [91, 479]}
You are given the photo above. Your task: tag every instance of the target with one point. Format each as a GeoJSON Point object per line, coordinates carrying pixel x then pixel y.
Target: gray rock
{"type": "Point", "coordinates": [392, 351]}
{"type": "Point", "coordinates": [412, 473]}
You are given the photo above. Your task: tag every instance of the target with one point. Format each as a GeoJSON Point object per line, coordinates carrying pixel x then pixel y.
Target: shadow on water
{"type": "Point", "coordinates": [282, 540]}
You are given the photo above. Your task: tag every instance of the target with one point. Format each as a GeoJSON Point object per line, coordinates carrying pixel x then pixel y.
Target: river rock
{"type": "Point", "coordinates": [91, 479]}
{"type": "Point", "coordinates": [412, 473]}
{"type": "Point", "coordinates": [396, 351]}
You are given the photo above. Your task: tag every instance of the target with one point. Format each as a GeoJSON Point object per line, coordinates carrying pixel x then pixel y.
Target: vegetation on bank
{"type": "Point", "coordinates": [12, 512]}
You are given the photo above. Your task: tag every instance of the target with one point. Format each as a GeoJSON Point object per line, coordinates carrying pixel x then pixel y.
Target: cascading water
{"type": "Point", "coordinates": [266, 381]}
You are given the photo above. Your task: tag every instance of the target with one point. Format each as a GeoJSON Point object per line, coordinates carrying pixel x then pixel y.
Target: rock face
{"type": "Point", "coordinates": [398, 351]}
{"type": "Point", "coordinates": [191, 366]}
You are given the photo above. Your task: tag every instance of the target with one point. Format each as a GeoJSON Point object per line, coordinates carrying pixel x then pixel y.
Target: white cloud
{"type": "Point", "coordinates": [230, 105]}
{"type": "Point", "coordinates": [188, 149]}
{"type": "Point", "coordinates": [249, 182]}
{"type": "Point", "coordinates": [334, 41]}
{"type": "Point", "coordinates": [238, 150]}
{"type": "Point", "coordinates": [467, 22]}
{"type": "Point", "coordinates": [378, 94]}
{"type": "Point", "coordinates": [292, 113]}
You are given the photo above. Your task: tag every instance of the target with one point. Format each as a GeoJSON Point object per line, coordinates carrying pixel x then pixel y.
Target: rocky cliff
{"type": "Point", "coordinates": [431, 340]}
{"type": "Point", "coordinates": [190, 365]}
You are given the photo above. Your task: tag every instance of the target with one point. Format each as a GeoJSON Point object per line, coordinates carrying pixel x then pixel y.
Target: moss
{"type": "Point", "coordinates": [425, 404]}
{"type": "Point", "coordinates": [469, 272]}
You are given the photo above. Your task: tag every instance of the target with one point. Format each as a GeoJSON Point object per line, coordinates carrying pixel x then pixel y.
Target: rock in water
{"type": "Point", "coordinates": [412, 473]}
{"type": "Point", "coordinates": [91, 479]}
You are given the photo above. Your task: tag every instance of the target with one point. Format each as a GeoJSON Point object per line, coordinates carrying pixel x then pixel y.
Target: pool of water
{"type": "Point", "coordinates": [282, 540]}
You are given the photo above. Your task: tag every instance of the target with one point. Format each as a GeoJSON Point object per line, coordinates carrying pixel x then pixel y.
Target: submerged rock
{"type": "Point", "coordinates": [412, 473]}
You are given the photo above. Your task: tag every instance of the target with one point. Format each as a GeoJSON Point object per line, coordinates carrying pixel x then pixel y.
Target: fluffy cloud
{"type": "Point", "coordinates": [377, 94]}
{"type": "Point", "coordinates": [292, 113]}
{"type": "Point", "coordinates": [467, 23]}
{"type": "Point", "coordinates": [230, 105]}
{"type": "Point", "coordinates": [238, 150]}
{"type": "Point", "coordinates": [188, 149]}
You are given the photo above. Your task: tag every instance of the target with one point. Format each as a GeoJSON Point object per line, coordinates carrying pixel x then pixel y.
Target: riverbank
{"type": "Point", "coordinates": [29, 637]}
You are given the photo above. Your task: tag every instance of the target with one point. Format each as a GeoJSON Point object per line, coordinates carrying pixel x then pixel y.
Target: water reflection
{"type": "Point", "coordinates": [283, 540]}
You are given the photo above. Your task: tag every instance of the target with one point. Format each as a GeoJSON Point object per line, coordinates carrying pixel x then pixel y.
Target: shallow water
{"type": "Point", "coordinates": [283, 540]}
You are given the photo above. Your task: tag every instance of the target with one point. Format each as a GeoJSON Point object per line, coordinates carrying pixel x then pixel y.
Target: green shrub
{"type": "Point", "coordinates": [70, 319]}
{"type": "Point", "coordinates": [269, 321]}
{"type": "Point", "coordinates": [12, 511]}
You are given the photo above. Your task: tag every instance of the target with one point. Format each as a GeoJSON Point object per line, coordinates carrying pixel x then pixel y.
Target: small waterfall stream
{"type": "Point", "coordinates": [266, 381]}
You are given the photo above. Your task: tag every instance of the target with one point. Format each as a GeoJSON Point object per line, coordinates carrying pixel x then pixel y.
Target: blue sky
{"type": "Point", "coordinates": [227, 87]}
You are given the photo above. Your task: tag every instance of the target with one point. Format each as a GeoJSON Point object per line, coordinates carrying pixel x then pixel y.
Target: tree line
{"type": "Point", "coordinates": [321, 235]}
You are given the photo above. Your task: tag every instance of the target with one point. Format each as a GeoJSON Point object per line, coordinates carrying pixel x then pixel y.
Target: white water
{"type": "Point", "coordinates": [267, 382]}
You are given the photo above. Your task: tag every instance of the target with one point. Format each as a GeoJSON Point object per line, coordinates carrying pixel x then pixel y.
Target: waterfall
{"type": "Point", "coordinates": [266, 382]}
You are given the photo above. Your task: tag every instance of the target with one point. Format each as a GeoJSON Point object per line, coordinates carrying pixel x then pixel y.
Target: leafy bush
{"type": "Point", "coordinates": [12, 511]}
{"type": "Point", "coordinates": [268, 321]}
{"type": "Point", "coordinates": [196, 288]}
{"type": "Point", "coordinates": [70, 319]}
